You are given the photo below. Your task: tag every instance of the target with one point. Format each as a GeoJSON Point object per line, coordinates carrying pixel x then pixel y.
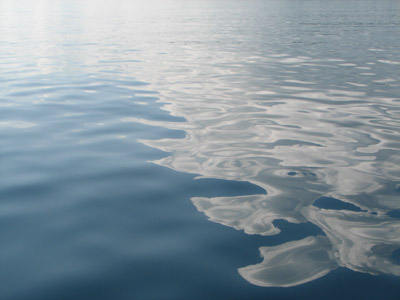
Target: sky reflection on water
{"type": "Point", "coordinates": [320, 124]}
{"type": "Point", "coordinates": [299, 98]}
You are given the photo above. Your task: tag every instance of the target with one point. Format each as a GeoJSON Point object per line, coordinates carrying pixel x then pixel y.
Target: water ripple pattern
{"type": "Point", "coordinates": [303, 118]}
{"type": "Point", "coordinates": [299, 98]}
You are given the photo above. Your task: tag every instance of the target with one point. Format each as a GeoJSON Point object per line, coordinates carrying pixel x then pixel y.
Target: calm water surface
{"type": "Point", "coordinates": [154, 150]}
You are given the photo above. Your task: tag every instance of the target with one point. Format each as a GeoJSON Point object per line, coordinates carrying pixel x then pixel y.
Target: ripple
{"type": "Point", "coordinates": [17, 124]}
{"type": "Point", "coordinates": [291, 263]}
{"type": "Point", "coordinates": [301, 138]}
{"type": "Point", "coordinates": [284, 97]}
{"type": "Point", "coordinates": [390, 62]}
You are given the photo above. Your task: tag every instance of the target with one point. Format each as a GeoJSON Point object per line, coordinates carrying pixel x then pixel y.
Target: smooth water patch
{"type": "Point", "coordinates": [394, 214]}
{"type": "Point", "coordinates": [332, 203]}
{"type": "Point", "coordinates": [396, 256]}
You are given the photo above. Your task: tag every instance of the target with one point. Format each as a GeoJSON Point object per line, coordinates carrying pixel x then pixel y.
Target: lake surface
{"type": "Point", "coordinates": [154, 150]}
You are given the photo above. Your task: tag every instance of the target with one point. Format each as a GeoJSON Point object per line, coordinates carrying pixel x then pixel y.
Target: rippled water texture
{"type": "Point", "coordinates": [288, 112]}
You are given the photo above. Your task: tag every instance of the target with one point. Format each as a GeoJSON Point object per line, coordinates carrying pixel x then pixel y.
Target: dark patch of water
{"type": "Point", "coordinates": [333, 203]}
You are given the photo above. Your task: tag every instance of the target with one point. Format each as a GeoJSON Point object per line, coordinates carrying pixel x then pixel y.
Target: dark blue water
{"type": "Point", "coordinates": [154, 150]}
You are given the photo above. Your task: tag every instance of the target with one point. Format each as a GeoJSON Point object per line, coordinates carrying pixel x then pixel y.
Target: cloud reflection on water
{"type": "Point", "coordinates": [299, 140]}
{"type": "Point", "coordinates": [301, 113]}
{"type": "Point", "coordinates": [267, 99]}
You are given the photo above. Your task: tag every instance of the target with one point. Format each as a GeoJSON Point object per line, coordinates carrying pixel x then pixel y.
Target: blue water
{"type": "Point", "coordinates": [154, 150]}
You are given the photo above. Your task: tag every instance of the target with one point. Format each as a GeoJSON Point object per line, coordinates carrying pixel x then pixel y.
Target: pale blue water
{"type": "Point", "coordinates": [154, 150]}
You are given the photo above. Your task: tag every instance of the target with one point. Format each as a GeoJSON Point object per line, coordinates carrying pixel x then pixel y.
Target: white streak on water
{"type": "Point", "coordinates": [17, 124]}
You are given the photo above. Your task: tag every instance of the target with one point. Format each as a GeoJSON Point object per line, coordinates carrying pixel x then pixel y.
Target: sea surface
{"type": "Point", "coordinates": [198, 149]}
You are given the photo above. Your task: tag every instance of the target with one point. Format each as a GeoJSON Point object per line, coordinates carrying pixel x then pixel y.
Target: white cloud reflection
{"type": "Point", "coordinates": [301, 124]}
{"type": "Point", "coordinates": [292, 263]}
{"type": "Point", "coordinates": [298, 146]}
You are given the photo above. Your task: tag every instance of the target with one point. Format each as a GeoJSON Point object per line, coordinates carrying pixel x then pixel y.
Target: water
{"type": "Point", "coordinates": [154, 150]}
